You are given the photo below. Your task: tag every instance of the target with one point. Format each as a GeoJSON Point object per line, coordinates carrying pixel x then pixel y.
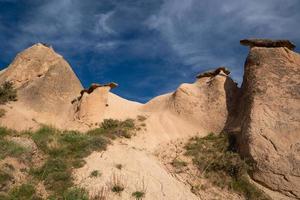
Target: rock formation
{"type": "Point", "coordinates": [91, 104]}
{"type": "Point", "coordinates": [264, 113]}
{"type": "Point", "coordinates": [270, 116]}
{"type": "Point", "coordinates": [268, 43]}
{"type": "Point", "coordinates": [44, 80]}
{"type": "Point", "coordinates": [207, 102]}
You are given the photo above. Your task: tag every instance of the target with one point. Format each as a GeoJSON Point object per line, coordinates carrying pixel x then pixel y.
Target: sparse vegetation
{"type": "Point", "coordinates": [76, 194]}
{"type": "Point", "coordinates": [23, 192]}
{"type": "Point", "coordinates": [95, 173]}
{"type": "Point", "coordinates": [7, 92]}
{"type": "Point", "coordinates": [116, 184]}
{"type": "Point", "coordinates": [140, 192]}
{"type": "Point", "coordinates": [222, 166]}
{"type": "Point", "coordinates": [64, 151]}
{"type": "Point", "coordinates": [177, 163]}
{"type": "Point", "coordinates": [5, 177]}
{"type": "Point", "coordinates": [10, 148]}
{"type": "Point", "coordinates": [112, 128]}
{"type": "Point", "coordinates": [102, 194]}
{"type": "Point", "coordinates": [138, 195]}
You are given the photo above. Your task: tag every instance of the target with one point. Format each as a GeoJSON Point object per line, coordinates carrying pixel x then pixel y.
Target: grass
{"type": "Point", "coordinates": [67, 149]}
{"type": "Point", "coordinates": [76, 194]}
{"type": "Point", "coordinates": [116, 184]}
{"type": "Point", "coordinates": [112, 128]}
{"type": "Point", "coordinates": [138, 195]}
{"type": "Point", "coordinates": [224, 168]}
{"type": "Point", "coordinates": [102, 194]}
{"type": "Point", "coordinates": [23, 192]}
{"type": "Point", "coordinates": [9, 148]}
{"type": "Point", "coordinates": [177, 163]}
{"type": "Point", "coordinates": [140, 192]}
{"type": "Point", "coordinates": [64, 151]}
{"type": "Point", "coordinates": [7, 92]}
{"type": "Point", "coordinates": [5, 178]}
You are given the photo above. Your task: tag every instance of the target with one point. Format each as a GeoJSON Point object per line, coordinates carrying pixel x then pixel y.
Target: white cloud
{"type": "Point", "coordinates": [102, 26]}
{"type": "Point", "coordinates": [201, 32]}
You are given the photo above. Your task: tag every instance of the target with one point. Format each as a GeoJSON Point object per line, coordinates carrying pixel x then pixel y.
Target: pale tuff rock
{"type": "Point", "coordinates": [270, 118]}
{"type": "Point", "coordinates": [207, 102]}
{"type": "Point", "coordinates": [90, 106]}
{"type": "Point", "coordinates": [265, 114]}
{"type": "Point", "coordinates": [44, 80]}
{"type": "Point", "coordinates": [268, 43]}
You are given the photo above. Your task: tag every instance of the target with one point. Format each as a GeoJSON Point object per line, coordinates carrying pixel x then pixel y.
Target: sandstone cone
{"type": "Point", "coordinates": [44, 80]}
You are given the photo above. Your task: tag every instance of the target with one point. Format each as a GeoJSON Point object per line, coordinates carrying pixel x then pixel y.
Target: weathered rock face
{"type": "Point", "coordinates": [206, 103]}
{"type": "Point", "coordinates": [270, 125]}
{"type": "Point", "coordinates": [90, 106]}
{"type": "Point", "coordinates": [44, 80]}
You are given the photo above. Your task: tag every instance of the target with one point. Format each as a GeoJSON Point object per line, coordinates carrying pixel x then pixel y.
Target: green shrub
{"type": "Point", "coordinates": [7, 92]}
{"type": "Point", "coordinates": [213, 157]}
{"type": "Point", "coordinates": [112, 128]}
{"type": "Point", "coordinates": [138, 195]}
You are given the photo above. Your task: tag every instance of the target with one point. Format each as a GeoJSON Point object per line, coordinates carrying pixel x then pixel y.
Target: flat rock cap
{"type": "Point", "coordinates": [268, 43]}
{"type": "Point", "coordinates": [212, 73]}
{"type": "Point", "coordinates": [96, 85]}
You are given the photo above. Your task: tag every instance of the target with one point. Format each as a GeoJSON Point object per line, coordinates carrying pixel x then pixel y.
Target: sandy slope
{"type": "Point", "coordinates": [139, 162]}
{"type": "Point", "coordinates": [49, 93]}
{"type": "Point", "coordinates": [166, 121]}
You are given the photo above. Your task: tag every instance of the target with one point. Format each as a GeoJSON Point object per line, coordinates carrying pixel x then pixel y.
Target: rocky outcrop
{"type": "Point", "coordinates": [90, 106]}
{"type": "Point", "coordinates": [44, 80]}
{"type": "Point", "coordinates": [268, 43]}
{"type": "Point", "coordinates": [270, 117]}
{"type": "Point", "coordinates": [206, 103]}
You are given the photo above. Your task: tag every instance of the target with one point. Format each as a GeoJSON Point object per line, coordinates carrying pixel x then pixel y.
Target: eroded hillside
{"type": "Point", "coordinates": [158, 150]}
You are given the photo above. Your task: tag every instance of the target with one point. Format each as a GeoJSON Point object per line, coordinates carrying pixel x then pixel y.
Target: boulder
{"type": "Point", "coordinates": [270, 117]}
{"type": "Point", "coordinates": [268, 43]}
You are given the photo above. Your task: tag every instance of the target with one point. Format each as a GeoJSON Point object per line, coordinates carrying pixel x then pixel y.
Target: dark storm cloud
{"type": "Point", "coordinates": [148, 47]}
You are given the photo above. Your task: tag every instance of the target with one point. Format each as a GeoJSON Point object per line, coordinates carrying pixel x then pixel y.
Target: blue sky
{"type": "Point", "coordinates": [149, 47]}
